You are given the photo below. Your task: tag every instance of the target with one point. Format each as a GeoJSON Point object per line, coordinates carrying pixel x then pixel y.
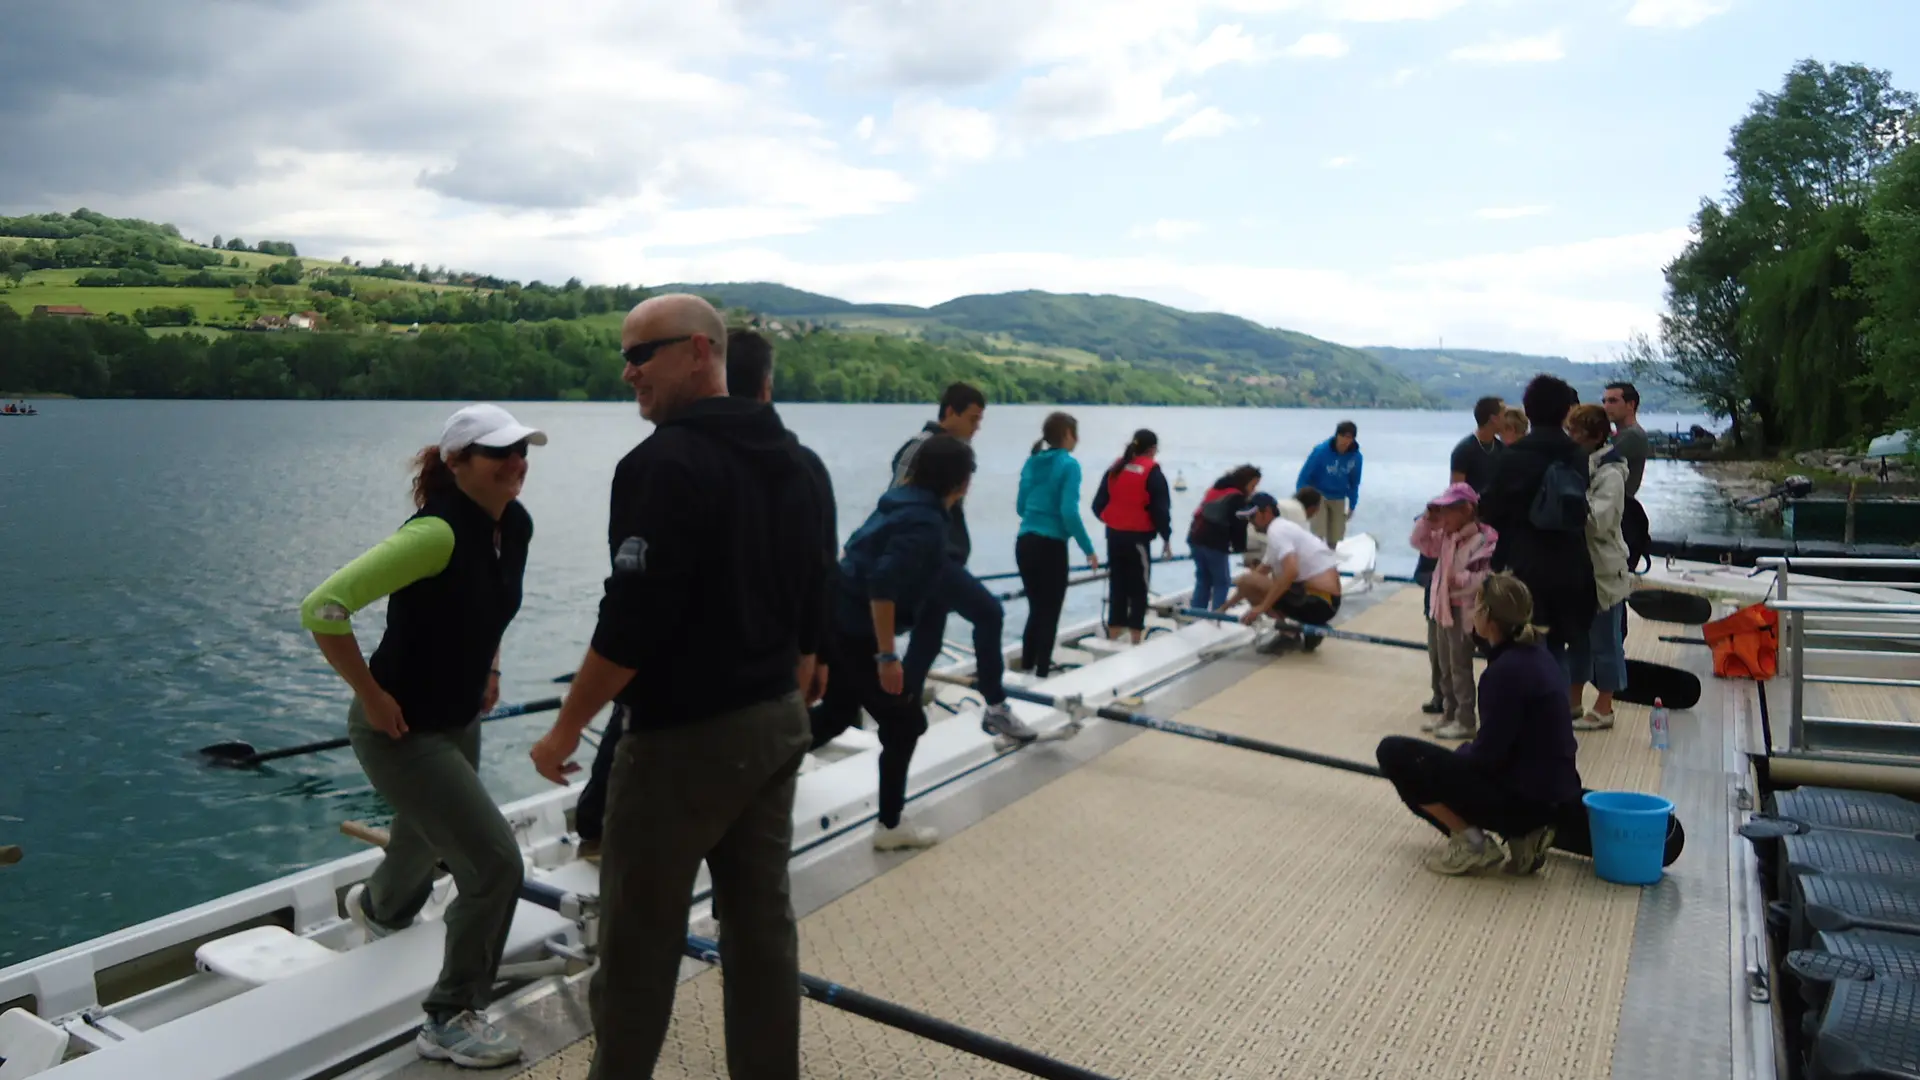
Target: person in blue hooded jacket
{"type": "Point", "coordinates": [1049, 505]}
{"type": "Point", "coordinates": [890, 568]}
{"type": "Point", "coordinates": [1333, 469]}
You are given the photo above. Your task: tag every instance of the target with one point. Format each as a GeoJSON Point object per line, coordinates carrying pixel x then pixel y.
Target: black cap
{"type": "Point", "coordinates": [1260, 501]}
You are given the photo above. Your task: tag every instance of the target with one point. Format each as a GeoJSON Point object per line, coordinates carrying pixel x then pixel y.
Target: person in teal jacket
{"type": "Point", "coordinates": [1049, 505]}
{"type": "Point", "coordinates": [1333, 469]}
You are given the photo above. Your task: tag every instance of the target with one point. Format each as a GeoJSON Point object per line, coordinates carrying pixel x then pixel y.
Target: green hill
{"type": "Point", "coordinates": [1459, 377]}
{"type": "Point", "coordinates": [1240, 359]}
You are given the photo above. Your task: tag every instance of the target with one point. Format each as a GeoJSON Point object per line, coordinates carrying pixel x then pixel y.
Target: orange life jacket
{"type": "Point", "coordinates": [1746, 644]}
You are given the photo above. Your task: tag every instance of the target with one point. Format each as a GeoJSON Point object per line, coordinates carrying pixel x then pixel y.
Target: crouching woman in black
{"type": "Point", "coordinates": [1518, 772]}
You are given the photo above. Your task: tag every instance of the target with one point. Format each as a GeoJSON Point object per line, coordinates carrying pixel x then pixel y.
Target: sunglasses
{"type": "Point", "coordinates": [642, 351]}
{"type": "Point", "coordinates": [501, 453]}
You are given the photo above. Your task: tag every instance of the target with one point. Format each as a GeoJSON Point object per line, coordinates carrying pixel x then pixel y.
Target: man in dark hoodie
{"type": "Point", "coordinates": [962, 408]}
{"type": "Point", "coordinates": [1551, 561]}
{"type": "Point", "coordinates": [709, 618]}
{"type": "Point", "coordinates": [749, 376]}
{"type": "Point", "coordinates": [892, 566]}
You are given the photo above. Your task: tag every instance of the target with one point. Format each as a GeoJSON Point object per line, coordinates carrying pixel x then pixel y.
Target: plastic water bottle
{"type": "Point", "coordinates": [1657, 723]}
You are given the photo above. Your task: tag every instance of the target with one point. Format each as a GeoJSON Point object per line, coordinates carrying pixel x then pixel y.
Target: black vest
{"type": "Point", "coordinates": [442, 631]}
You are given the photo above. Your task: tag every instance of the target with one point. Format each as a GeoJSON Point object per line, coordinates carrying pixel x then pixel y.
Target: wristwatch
{"type": "Point", "coordinates": [886, 658]}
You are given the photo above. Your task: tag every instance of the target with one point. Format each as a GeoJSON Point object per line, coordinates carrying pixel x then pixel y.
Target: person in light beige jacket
{"type": "Point", "coordinates": [1601, 658]}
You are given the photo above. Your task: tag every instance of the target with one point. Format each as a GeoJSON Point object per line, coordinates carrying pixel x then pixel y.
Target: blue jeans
{"type": "Point", "coordinates": [1598, 656]}
{"type": "Point", "coordinates": [1212, 577]}
{"type": "Point", "coordinates": [962, 594]}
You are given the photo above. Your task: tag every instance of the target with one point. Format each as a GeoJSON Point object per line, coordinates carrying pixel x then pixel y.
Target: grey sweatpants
{"type": "Point", "coordinates": [719, 790]}
{"type": "Point", "coordinates": [1457, 690]}
{"type": "Point", "coordinates": [442, 814]}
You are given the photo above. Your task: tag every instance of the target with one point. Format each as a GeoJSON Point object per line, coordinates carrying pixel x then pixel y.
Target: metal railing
{"type": "Point", "coordinates": [1854, 643]}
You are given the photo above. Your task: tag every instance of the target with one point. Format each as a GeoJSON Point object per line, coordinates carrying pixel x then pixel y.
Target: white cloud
{"type": "Point", "coordinates": [1319, 46]}
{"type": "Point", "coordinates": [1402, 76]}
{"type": "Point", "coordinates": [1208, 123]}
{"type": "Point", "coordinates": [1506, 50]}
{"type": "Point", "coordinates": [1508, 213]}
{"type": "Point", "coordinates": [942, 132]}
{"type": "Point", "coordinates": [1166, 230]}
{"type": "Point", "coordinates": [1579, 300]}
{"type": "Point", "coordinates": [864, 129]}
{"type": "Point", "coordinates": [1676, 14]}
{"type": "Point", "coordinates": [1391, 10]}
{"type": "Point", "coordinates": [1342, 161]}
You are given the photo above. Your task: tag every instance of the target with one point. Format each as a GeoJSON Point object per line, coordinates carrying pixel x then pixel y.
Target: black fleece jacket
{"type": "Point", "coordinates": [719, 573]}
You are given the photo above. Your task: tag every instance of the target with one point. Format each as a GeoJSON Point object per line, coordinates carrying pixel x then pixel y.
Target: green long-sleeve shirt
{"type": "Point", "coordinates": [417, 550]}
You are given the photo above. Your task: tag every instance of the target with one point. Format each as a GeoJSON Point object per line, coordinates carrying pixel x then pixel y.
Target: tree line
{"type": "Point", "coordinates": [1794, 311]}
{"type": "Point", "coordinates": [526, 361]}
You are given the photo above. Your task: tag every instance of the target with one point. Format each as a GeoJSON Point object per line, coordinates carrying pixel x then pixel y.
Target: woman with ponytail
{"type": "Point", "coordinates": [453, 571]}
{"type": "Point", "coordinates": [1517, 775]}
{"type": "Point", "coordinates": [1136, 505]}
{"type": "Point", "coordinates": [1049, 505]}
{"type": "Point", "coordinates": [1217, 532]}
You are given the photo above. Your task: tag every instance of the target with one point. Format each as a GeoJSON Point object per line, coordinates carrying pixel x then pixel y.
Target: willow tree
{"type": "Point", "coordinates": [1887, 278]}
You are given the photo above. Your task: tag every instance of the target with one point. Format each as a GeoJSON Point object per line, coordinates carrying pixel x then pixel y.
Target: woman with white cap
{"type": "Point", "coordinates": [453, 571]}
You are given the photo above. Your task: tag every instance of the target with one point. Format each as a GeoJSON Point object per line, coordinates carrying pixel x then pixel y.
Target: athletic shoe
{"type": "Point", "coordinates": [1282, 642]}
{"type": "Point", "coordinates": [1461, 858]}
{"type": "Point", "coordinates": [363, 918]}
{"type": "Point", "coordinates": [1312, 642]}
{"type": "Point", "coordinates": [467, 1040]}
{"type": "Point", "coordinates": [999, 720]}
{"type": "Point", "coordinates": [1433, 707]}
{"type": "Point", "coordinates": [1593, 721]}
{"type": "Point", "coordinates": [1453, 729]}
{"type": "Point", "coordinates": [904, 836]}
{"type": "Point", "coordinates": [1527, 854]}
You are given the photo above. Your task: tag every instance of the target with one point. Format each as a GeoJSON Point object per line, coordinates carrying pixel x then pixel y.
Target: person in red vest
{"type": "Point", "coordinates": [1136, 505]}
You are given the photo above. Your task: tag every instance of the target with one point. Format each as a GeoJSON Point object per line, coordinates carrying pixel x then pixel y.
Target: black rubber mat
{"type": "Point", "coordinates": [1871, 1031]}
{"type": "Point", "coordinates": [1838, 808]}
{"type": "Point", "coordinates": [1853, 954]}
{"type": "Point", "coordinates": [1830, 852]}
{"type": "Point", "coordinates": [1840, 901]}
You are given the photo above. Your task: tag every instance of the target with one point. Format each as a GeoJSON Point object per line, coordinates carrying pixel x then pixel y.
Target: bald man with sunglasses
{"type": "Point", "coordinates": [713, 610]}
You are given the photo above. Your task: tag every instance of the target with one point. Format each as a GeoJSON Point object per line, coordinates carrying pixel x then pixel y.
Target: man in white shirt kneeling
{"type": "Point", "coordinates": [1298, 577]}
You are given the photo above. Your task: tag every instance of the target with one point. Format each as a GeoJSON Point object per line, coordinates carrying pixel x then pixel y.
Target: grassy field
{"type": "Point", "coordinates": [209, 305]}
{"type": "Point", "coordinates": [211, 332]}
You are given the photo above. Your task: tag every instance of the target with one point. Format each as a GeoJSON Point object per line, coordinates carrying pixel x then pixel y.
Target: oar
{"type": "Point", "coordinates": [1657, 605]}
{"type": "Point", "coordinates": [1018, 594]}
{"type": "Point", "coordinates": [1646, 681]}
{"type": "Point", "coordinates": [1015, 573]}
{"type": "Point", "coordinates": [965, 1040]}
{"type": "Point", "coordinates": [241, 755]}
{"type": "Point", "coordinates": [1678, 640]}
{"type": "Point", "coordinates": [1571, 833]}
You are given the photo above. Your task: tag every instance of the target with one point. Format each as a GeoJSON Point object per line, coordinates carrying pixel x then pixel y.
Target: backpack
{"type": "Point", "coordinates": [1638, 533]}
{"type": "Point", "coordinates": [1561, 503]}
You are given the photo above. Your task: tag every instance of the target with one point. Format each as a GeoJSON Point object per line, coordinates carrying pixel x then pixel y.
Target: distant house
{"type": "Point", "coordinates": [63, 311]}
{"type": "Point", "coordinates": [270, 322]}
{"type": "Point", "coordinates": [305, 320]}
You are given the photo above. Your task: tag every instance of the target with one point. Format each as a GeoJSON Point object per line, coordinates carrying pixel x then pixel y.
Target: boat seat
{"type": "Point", "coordinates": [1851, 954]}
{"type": "Point", "coordinates": [1838, 808]}
{"type": "Point", "coordinates": [1825, 851]}
{"type": "Point", "coordinates": [1871, 1031]}
{"type": "Point", "coordinates": [28, 1045]}
{"type": "Point", "coordinates": [261, 955]}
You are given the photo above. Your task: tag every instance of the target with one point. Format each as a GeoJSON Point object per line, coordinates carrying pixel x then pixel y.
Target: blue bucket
{"type": "Point", "coordinates": [1629, 835]}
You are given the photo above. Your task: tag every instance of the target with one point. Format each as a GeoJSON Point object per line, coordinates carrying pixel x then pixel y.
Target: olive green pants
{"type": "Point", "coordinates": [718, 790]}
{"type": "Point", "coordinates": [442, 814]}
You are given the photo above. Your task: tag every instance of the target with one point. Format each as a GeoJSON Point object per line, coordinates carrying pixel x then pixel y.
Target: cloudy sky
{"type": "Point", "coordinates": [1497, 173]}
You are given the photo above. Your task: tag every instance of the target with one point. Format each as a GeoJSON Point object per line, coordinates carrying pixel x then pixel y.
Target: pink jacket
{"type": "Point", "coordinates": [1464, 560]}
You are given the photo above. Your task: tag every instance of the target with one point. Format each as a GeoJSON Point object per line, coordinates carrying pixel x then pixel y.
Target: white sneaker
{"type": "Point", "coordinates": [999, 720]}
{"type": "Point", "coordinates": [1453, 730]}
{"type": "Point", "coordinates": [904, 835]}
{"type": "Point", "coordinates": [1593, 721]}
{"type": "Point", "coordinates": [466, 1040]}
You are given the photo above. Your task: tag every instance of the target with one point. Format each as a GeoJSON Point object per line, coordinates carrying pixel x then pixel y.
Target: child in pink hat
{"type": "Point", "coordinates": [1450, 532]}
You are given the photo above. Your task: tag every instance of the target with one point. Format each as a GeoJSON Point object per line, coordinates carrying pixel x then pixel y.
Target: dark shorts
{"type": "Point", "coordinates": [1305, 605]}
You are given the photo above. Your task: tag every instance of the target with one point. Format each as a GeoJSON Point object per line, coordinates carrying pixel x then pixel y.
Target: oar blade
{"type": "Point", "coordinates": [1671, 606]}
{"type": "Point", "coordinates": [1676, 689]}
{"type": "Point", "coordinates": [233, 754]}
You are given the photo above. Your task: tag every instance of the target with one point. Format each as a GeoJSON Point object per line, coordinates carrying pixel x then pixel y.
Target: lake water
{"type": "Point", "coordinates": [153, 556]}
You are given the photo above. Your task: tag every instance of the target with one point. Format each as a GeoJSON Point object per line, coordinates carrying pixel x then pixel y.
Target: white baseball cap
{"type": "Point", "coordinates": [486, 425]}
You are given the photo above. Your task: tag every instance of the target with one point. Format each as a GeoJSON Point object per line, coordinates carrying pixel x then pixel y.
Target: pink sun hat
{"type": "Point", "coordinates": [1456, 493]}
